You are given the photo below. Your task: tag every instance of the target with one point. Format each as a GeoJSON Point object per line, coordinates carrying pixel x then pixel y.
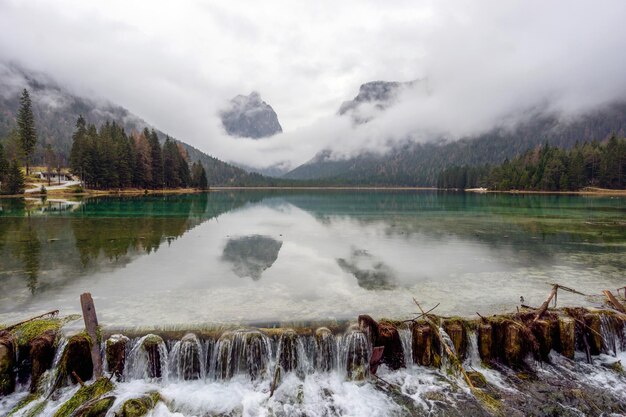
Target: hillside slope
{"type": "Point", "coordinates": [56, 111]}
{"type": "Point", "coordinates": [414, 164]}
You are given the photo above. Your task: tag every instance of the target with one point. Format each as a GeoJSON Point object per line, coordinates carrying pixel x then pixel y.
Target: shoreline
{"type": "Point", "coordinates": [588, 191]}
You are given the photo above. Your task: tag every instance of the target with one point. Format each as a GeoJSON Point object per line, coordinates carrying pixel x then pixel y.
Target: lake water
{"type": "Point", "coordinates": [297, 256]}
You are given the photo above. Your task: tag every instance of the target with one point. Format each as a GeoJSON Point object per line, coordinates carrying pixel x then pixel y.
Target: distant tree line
{"type": "Point", "coordinates": [109, 158]}
{"type": "Point", "coordinates": [592, 164]}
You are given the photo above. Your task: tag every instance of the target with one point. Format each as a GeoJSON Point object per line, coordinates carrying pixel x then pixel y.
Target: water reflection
{"type": "Point", "coordinates": [320, 255]}
{"type": "Point", "coordinates": [251, 255]}
{"type": "Point", "coordinates": [370, 272]}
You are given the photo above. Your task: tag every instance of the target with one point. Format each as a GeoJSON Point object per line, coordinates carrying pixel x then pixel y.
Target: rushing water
{"type": "Point", "coordinates": [296, 256]}
{"type": "Point", "coordinates": [249, 373]}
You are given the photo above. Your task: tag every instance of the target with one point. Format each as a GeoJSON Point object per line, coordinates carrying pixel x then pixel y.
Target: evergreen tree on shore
{"type": "Point", "coordinates": [549, 169]}
{"type": "Point", "coordinates": [198, 177]}
{"type": "Point", "coordinates": [26, 128]}
{"type": "Point", "coordinates": [14, 179]}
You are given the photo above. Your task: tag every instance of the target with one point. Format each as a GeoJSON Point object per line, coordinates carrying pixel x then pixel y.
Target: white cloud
{"type": "Point", "coordinates": [176, 64]}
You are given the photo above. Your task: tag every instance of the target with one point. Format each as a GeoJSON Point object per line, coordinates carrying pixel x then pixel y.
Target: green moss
{"type": "Point", "coordinates": [28, 331]}
{"type": "Point", "coordinates": [23, 403]}
{"type": "Point", "coordinates": [84, 394]}
{"type": "Point", "coordinates": [95, 408]}
{"type": "Point", "coordinates": [137, 407]}
{"type": "Point", "coordinates": [36, 410]}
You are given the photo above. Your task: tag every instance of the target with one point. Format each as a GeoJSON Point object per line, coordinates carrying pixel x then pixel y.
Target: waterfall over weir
{"type": "Point", "coordinates": [321, 372]}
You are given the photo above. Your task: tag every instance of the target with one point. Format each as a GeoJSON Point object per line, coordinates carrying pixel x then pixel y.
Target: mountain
{"type": "Point", "coordinates": [250, 117]}
{"type": "Point", "coordinates": [419, 164]}
{"type": "Point", "coordinates": [374, 96]}
{"type": "Point", "coordinates": [415, 164]}
{"type": "Point", "coordinates": [56, 110]}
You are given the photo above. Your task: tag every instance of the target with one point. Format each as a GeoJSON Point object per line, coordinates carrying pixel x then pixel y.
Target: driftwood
{"type": "Point", "coordinates": [614, 302]}
{"type": "Point", "coordinates": [275, 380]}
{"type": "Point", "coordinates": [49, 313]}
{"type": "Point", "coordinates": [546, 303]}
{"type": "Point", "coordinates": [80, 381]}
{"type": "Point", "coordinates": [455, 359]}
{"type": "Point", "coordinates": [91, 325]}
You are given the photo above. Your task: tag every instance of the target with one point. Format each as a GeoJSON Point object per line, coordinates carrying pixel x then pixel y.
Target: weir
{"type": "Point", "coordinates": [490, 350]}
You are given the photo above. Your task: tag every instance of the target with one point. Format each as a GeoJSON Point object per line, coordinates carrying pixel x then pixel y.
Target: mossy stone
{"type": "Point", "coordinates": [137, 407]}
{"type": "Point", "coordinates": [84, 394]}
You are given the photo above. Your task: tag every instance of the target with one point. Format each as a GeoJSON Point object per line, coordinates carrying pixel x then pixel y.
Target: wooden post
{"type": "Point", "coordinates": [91, 325]}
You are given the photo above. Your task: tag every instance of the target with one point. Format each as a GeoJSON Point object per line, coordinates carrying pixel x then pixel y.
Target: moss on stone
{"type": "Point", "coordinates": [77, 358]}
{"type": "Point", "coordinates": [86, 393]}
{"type": "Point", "coordinates": [23, 403]}
{"type": "Point", "coordinates": [37, 409]}
{"type": "Point", "coordinates": [137, 407]}
{"type": "Point", "coordinates": [28, 331]}
{"type": "Point", "coordinates": [95, 408]}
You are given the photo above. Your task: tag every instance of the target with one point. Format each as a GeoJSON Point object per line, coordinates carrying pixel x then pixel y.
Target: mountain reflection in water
{"type": "Point", "coordinates": [251, 255]}
{"type": "Point", "coordinates": [176, 257]}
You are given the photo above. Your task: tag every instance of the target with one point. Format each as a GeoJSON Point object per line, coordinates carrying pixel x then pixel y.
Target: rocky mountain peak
{"type": "Point", "coordinates": [250, 117]}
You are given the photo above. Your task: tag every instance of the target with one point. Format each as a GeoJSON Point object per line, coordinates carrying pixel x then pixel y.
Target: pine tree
{"type": "Point", "coordinates": [79, 148]}
{"type": "Point", "coordinates": [15, 179]}
{"type": "Point", "coordinates": [157, 158]}
{"type": "Point", "coordinates": [4, 165]}
{"type": "Point", "coordinates": [198, 176]}
{"type": "Point", "coordinates": [26, 128]}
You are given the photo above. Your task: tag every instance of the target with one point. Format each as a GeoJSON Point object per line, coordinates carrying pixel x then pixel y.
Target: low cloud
{"type": "Point", "coordinates": [486, 64]}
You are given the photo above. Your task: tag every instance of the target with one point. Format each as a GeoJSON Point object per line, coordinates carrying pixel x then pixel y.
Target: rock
{"type": "Point", "coordinates": [7, 364]}
{"type": "Point", "coordinates": [485, 341]}
{"type": "Point", "coordinates": [512, 348]}
{"type": "Point", "coordinates": [115, 352]}
{"type": "Point", "coordinates": [542, 330]}
{"type": "Point", "coordinates": [457, 333]}
{"type": "Point", "coordinates": [357, 350]}
{"type": "Point", "coordinates": [567, 337]}
{"type": "Point", "coordinates": [95, 408]}
{"type": "Point", "coordinates": [288, 351]}
{"type": "Point", "coordinates": [386, 335]}
{"type": "Point", "coordinates": [77, 358]}
{"type": "Point", "coordinates": [425, 347]}
{"type": "Point", "coordinates": [325, 350]}
{"type": "Point", "coordinates": [41, 355]}
{"type": "Point", "coordinates": [593, 333]}
{"type": "Point", "coordinates": [250, 117]}
{"type": "Point", "coordinates": [152, 344]}
{"type": "Point", "coordinates": [137, 407]}
{"type": "Point", "coordinates": [189, 360]}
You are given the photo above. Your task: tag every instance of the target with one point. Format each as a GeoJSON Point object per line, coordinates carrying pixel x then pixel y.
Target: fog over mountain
{"type": "Point", "coordinates": [482, 65]}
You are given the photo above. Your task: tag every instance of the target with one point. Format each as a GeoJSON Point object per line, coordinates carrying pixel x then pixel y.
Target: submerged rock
{"type": "Point", "coordinates": [251, 255]}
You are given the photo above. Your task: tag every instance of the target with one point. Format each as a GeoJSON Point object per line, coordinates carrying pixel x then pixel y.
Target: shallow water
{"type": "Point", "coordinates": [296, 256]}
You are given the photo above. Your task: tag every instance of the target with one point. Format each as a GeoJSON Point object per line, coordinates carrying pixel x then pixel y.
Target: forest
{"type": "Point", "coordinates": [548, 168]}
{"type": "Point", "coordinates": [109, 158]}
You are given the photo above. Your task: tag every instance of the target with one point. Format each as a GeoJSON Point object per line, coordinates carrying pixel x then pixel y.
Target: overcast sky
{"type": "Point", "coordinates": [175, 64]}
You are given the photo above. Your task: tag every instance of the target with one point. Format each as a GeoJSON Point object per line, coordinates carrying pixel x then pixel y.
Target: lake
{"type": "Point", "coordinates": [298, 256]}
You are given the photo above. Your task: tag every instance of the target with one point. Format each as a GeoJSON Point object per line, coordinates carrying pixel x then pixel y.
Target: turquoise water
{"type": "Point", "coordinates": [295, 256]}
